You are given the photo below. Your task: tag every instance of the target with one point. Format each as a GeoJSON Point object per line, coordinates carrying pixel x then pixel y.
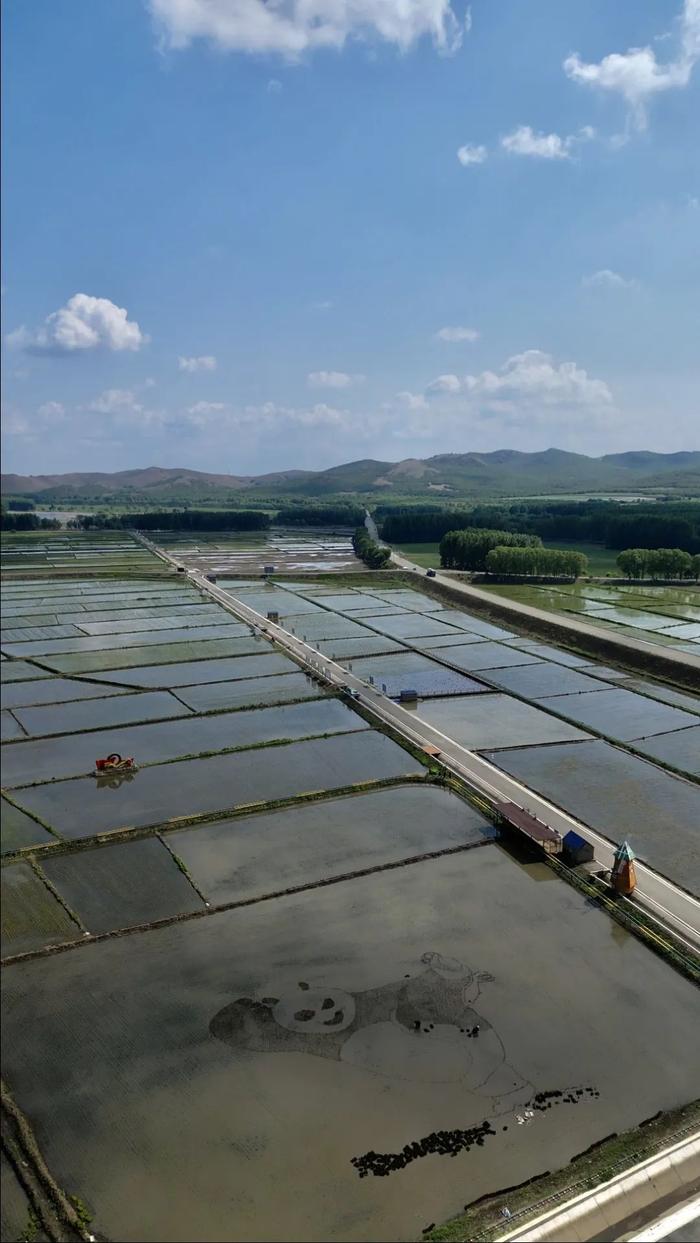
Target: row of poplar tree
{"type": "Point", "coordinates": [658, 563]}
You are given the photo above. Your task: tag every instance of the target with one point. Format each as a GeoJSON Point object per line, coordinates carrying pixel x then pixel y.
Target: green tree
{"type": "Point", "coordinates": [514, 561]}
{"type": "Point", "coordinates": [368, 550]}
{"type": "Point", "coordinates": [468, 548]}
{"type": "Point", "coordinates": [669, 563]}
{"type": "Point", "coordinates": [633, 562]}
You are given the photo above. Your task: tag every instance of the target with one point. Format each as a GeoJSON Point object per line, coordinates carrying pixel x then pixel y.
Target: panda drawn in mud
{"type": "Point", "coordinates": [423, 1029]}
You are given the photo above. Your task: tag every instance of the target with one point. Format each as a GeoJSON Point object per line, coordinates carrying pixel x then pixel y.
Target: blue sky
{"type": "Point", "coordinates": [239, 238]}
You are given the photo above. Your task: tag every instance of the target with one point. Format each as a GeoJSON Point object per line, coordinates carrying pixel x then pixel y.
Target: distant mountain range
{"type": "Point", "coordinates": [505, 472]}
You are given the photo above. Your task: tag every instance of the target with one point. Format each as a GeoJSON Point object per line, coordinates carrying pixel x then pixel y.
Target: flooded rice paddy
{"type": "Point", "coordinates": [87, 714]}
{"type": "Point", "coordinates": [20, 830]}
{"type": "Point", "coordinates": [322, 550]}
{"type": "Point", "coordinates": [52, 691]}
{"type": "Point", "coordinates": [621, 714]}
{"type": "Point", "coordinates": [261, 661]}
{"type": "Point", "coordinates": [681, 750]}
{"type": "Point", "coordinates": [30, 915]}
{"type": "Point", "coordinates": [74, 755]}
{"type": "Point", "coordinates": [620, 795]}
{"type": "Point", "coordinates": [115, 886]}
{"type": "Point", "coordinates": [83, 807]}
{"type": "Point", "coordinates": [666, 615]}
{"type": "Point", "coordinates": [214, 696]}
{"type": "Point", "coordinates": [484, 721]}
{"type": "Point", "coordinates": [237, 859]}
{"type": "Point", "coordinates": [16, 1213]}
{"type": "Point", "coordinates": [272, 1058]}
{"type": "Point", "coordinates": [209, 1041]}
{"type": "Point", "coordinates": [162, 653]}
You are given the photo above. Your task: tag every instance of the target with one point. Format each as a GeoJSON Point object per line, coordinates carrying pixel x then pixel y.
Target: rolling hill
{"type": "Point", "coordinates": [505, 472]}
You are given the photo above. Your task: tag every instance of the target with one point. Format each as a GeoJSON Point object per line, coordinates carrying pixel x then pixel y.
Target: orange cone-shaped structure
{"type": "Point", "coordinates": [623, 875]}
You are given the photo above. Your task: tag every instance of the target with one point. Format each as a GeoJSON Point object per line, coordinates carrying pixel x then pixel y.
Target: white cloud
{"type": "Point", "coordinates": [291, 27]}
{"type": "Point", "coordinates": [115, 401]}
{"type": "Point", "coordinates": [637, 75]}
{"type": "Point", "coordinates": [204, 362]}
{"type": "Point", "coordinates": [406, 400]}
{"type": "Point", "coordinates": [15, 423]}
{"type": "Point", "coordinates": [457, 333]}
{"type": "Point", "coordinates": [469, 154]}
{"type": "Point", "coordinates": [207, 407]}
{"type": "Point", "coordinates": [533, 378]}
{"type": "Point", "coordinates": [274, 86]}
{"type": "Point", "coordinates": [524, 141]}
{"type": "Point", "coordinates": [445, 384]}
{"type": "Point", "coordinates": [607, 279]}
{"type": "Point", "coordinates": [325, 305]}
{"type": "Point", "coordinates": [332, 379]}
{"type": "Point", "coordinates": [267, 417]}
{"type": "Point", "coordinates": [84, 323]}
{"type": "Point", "coordinates": [51, 410]}
{"type": "Point", "coordinates": [529, 386]}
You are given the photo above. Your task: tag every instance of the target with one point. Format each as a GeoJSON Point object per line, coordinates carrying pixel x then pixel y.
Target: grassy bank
{"type": "Point", "coordinates": [484, 1220]}
{"type": "Point", "coordinates": [427, 555]}
{"type": "Point", "coordinates": [601, 561]}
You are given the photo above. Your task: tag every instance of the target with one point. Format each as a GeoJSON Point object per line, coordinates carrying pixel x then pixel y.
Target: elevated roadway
{"type": "Point", "coordinates": [659, 897]}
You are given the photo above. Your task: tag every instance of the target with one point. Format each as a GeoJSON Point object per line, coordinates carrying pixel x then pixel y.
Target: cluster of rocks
{"type": "Point", "coordinates": [569, 1096]}
{"type": "Point", "coordinates": [442, 1143]}
{"type": "Point", "coordinates": [450, 1143]}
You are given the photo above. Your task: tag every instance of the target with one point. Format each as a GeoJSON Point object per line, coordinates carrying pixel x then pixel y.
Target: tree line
{"type": "Point", "coordinates": [27, 522]}
{"type": "Point", "coordinates": [321, 515]}
{"type": "Point", "coordinates": [178, 520]}
{"type": "Point", "coordinates": [614, 524]}
{"type": "Point", "coordinates": [368, 550]}
{"type": "Point", "coordinates": [187, 519]}
{"type": "Point", "coordinates": [658, 563]}
{"type": "Point", "coordinates": [538, 562]}
{"type": "Point", "coordinates": [468, 549]}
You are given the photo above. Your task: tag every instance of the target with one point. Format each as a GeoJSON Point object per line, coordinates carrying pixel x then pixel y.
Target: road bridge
{"type": "Point", "coordinates": [661, 899]}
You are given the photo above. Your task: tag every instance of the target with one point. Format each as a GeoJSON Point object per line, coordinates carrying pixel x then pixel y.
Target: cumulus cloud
{"type": "Point", "coordinates": [535, 377]}
{"type": "Point", "coordinates": [332, 379]}
{"type": "Point", "coordinates": [457, 333]}
{"type": "Point", "coordinates": [470, 154]}
{"type": "Point", "coordinates": [524, 141]}
{"type": "Point", "coordinates": [51, 410]}
{"type": "Point", "coordinates": [84, 323]}
{"type": "Point", "coordinates": [605, 278]}
{"type": "Point", "coordinates": [405, 400]}
{"type": "Point", "coordinates": [526, 384]}
{"type": "Point", "coordinates": [289, 28]}
{"type": "Point", "coordinates": [115, 401]}
{"type": "Point", "coordinates": [637, 75]}
{"type": "Point", "coordinates": [204, 362]}
{"type": "Point", "coordinates": [445, 384]}
{"type": "Point", "coordinates": [121, 407]}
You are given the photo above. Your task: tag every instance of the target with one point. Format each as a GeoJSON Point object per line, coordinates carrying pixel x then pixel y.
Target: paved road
{"type": "Point", "coordinates": [661, 898]}
{"type": "Point", "coordinates": [682, 660]}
